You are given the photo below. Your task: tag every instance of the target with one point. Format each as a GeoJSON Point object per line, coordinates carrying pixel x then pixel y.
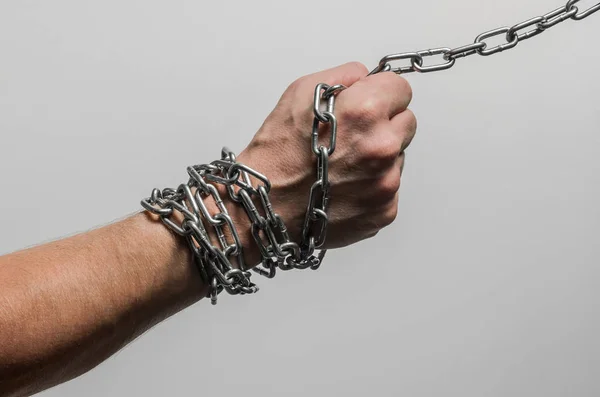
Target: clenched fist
{"type": "Point", "coordinates": [374, 129]}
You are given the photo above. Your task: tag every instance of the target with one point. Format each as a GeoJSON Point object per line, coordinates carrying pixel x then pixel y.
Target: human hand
{"type": "Point", "coordinates": [374, 129]}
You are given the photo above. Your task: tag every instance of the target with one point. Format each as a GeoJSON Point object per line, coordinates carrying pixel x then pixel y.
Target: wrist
{"type": "Point", "coordinates": [220, 224]}
{"type": "Point", "coordinates": [175, 278]}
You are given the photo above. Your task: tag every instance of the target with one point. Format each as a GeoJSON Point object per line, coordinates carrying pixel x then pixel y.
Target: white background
{"type": "Point", "coordinates": [487, 285]}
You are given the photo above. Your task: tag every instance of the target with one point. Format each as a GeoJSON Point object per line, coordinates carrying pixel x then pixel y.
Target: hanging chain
{"type": "Point", "coordinates": [513, 36]}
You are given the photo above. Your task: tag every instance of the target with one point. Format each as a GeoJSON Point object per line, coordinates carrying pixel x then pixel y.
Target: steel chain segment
{"type": "Point", "coordinates": [513, 36]}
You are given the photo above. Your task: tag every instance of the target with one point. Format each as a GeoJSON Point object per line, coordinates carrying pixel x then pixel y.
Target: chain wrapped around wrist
{"type": "Point", "coordinates": [222, 266]}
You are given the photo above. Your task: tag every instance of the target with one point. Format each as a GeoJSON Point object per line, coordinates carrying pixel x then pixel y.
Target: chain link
{"type": "Point", "coordinates": [513, 36]}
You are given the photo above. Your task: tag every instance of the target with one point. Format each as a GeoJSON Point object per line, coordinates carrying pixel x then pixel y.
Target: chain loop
{"type": "Point", "coordinates": [578, 16]}
{"type": "Point", "coordinates": [499, 48]}
{"type": "Point", "coordinates": [417, 63]}
{"type": "Point", "coordinates": [384, 64]}
{"type": "Point", "coordinates": [464, 51]}
{"type": "Point", "coordinates": [513, 34]}
{"type": "Point", "coordinates": [325, 97]}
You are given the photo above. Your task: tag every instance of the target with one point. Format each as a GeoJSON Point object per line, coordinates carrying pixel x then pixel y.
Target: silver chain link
{"type": "Point", "coordinates": [513, 36]}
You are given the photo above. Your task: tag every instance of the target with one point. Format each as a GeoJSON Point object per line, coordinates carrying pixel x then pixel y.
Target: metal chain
{"type": "Point", "coordinates": [223, 266]}
{"type": "Point", "coordinates": [513, 35]}
{"type": "Point", "coordinates": [277, 250]}
{"type": "Point", "coordinates": [187, 203]}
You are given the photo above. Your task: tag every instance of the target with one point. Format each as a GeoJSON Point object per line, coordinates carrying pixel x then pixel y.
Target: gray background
{"type": "Point", "coordinates": [487, 285]}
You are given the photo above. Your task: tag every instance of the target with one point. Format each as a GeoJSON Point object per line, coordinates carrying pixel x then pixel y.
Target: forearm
{"type": "Point", "coordinates": [68, 305]}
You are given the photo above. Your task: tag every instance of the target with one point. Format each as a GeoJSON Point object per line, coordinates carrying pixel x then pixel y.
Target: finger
{"type": "Point", "coordinates": [302, 90]}
{"type": "Point", "coordinates": [382, 95]}
{"type": "Point", "coordinates": [400, 162]}
{"type": "Point", "coordinates": [346, 74]}
{"type": "Point", "coordinates": [404, 126]}
{"type": "Point", "coordinates": [384, 188]}
{"type": "Point", "coordinates": [390, 210]}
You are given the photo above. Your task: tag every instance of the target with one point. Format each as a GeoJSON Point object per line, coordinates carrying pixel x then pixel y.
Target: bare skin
{"type": "Point", "coordinates": [68, 305]}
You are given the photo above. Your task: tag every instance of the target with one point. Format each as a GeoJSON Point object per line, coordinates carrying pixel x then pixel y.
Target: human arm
{"type": "Point", "coordinates": [68, 305]}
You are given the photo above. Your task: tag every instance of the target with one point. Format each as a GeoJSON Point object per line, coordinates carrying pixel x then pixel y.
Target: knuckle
{"type": "Point", "coordinates": [405, 87]}
{"type": "Point", "coordinates": [390, 215]}
{"type": "Point", "coordinates": [398, 85]}
{"type": "Point", "coordinates": [409, 128]}
{"type": "Point", "coordinates": [411, 121]}
{"type": "Point", "coordinates": [294, 87]}
{"type": "Point", "coordinates": [359, 67]}
{"type": "Point", "coordinates": [303, 83]}
{"type": "Point", "coordinates": [294, 84]}
{"type": "Point", "coordinates": [389, 184]}
{"type": "Point", "coordinates": [364, 113]}
{"type": "Point", "coordinates": [381, 148]}
{"type": "Point", "coordinates": [372, 234]}
{"type": "Point", "coordinates": [402, 161]}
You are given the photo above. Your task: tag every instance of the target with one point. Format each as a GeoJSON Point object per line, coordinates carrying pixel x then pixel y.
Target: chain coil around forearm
{"type": "Point", "coordinates": [217, 264]}
{"type": "Point", "coordinates": [184, 211]}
